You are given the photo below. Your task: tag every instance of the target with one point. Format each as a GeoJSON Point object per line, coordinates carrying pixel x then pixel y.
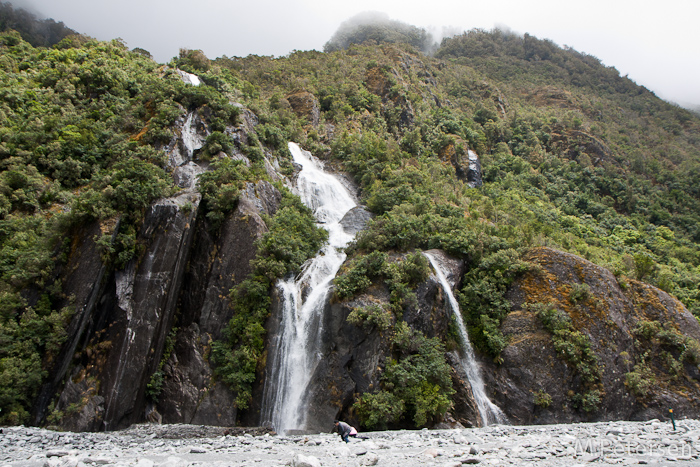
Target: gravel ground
{"type": "Point", "coordinates": [612, 443]}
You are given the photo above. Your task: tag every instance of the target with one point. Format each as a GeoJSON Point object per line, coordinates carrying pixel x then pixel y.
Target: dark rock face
{"type": "Point", "coordinates": [84, 278]}
{"type": "Point", "coordinates": [132, 314]}
{"type": "Point", "coordinates": [465, 161]}
{"type": "Point", "coordinates": [352, 356]}
{"type": "Point", "coordinates": [185, 267]}
{"type": "Point", "coordinates": [146, 298]}
{"type": "Point", "coordinates": [191, 132]}
{"type": "Point", "coordinates": [608, 317]}
{"type": "Point", "coordinates": [176, 289]}
{"type": "Point", "coordinates": [190, 393]}
{"type": "Point", "coordinates": [474, 178]}
{"type": "Point", "coordinates": [91, 414]}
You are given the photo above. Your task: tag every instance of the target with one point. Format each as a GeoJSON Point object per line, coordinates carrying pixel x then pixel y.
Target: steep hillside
{"type": "Point", "coordinates": [144, 220]}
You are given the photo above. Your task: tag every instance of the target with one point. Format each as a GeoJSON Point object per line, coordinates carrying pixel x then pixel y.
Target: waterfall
{"type": "Point", "coordinates": [489, 412]}
{"type": "Point", "coordinates": [189, 78]}
{"type": "Point", "coordinates": [190, 138]}
{"type": "Point", "coordinates": [294, 352]}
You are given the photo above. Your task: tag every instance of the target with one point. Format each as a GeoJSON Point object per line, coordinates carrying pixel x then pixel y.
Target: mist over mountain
{"type": "Point", "coordinates": [654, 45]}
{"type": "Point", "coordinates": [38, 32]}
{"type": "Point", "coordinates": [377, 27]}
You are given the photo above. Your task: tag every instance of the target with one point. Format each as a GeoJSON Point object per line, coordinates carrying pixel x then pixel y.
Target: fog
{"type": "Point", "coordinates": [657, 44]}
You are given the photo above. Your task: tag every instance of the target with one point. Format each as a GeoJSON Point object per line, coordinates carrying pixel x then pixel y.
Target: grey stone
{"type": "Point", "coordinates": [370, 459]}
{"type": "Point", "coordinates": [301, 460]}
{"type": "Point", "coordinates": [355, 220]}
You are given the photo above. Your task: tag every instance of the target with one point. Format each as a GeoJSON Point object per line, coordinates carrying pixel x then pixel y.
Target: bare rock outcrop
{"type": "Point", "coordinates": [305, 105]}
{"type": "Point", "coordinates": [191, 393]}
{"type": "Point", "coordinates": [637, 332]}
{"type": "Point", "coordinates": [465, 161]}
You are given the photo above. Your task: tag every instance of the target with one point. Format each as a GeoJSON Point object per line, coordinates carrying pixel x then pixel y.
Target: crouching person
{"type": "Point", "coordinates": [344, 430]}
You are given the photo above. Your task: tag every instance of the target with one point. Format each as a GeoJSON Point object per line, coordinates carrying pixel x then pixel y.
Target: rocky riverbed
{"type": "Point", "coordinates": [613, 443]}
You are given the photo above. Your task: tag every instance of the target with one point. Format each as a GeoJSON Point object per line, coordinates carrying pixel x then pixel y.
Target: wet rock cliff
{"type": "Point", "coordinates": [138, 344]}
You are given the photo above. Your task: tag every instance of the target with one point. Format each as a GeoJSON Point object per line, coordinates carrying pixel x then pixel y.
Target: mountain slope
{"type": "Point", "coordinates": [106, 235]}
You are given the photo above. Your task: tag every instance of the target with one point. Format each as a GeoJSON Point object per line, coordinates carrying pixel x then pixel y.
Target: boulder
{"type": "Point", "coordinates": [607, 314]}
{"type": "Point", "coordinates": [305, 105]}
{"type": "Point", "coordinates": [301, 460]}
{"type": "Point", "coordinates": [355, 220]}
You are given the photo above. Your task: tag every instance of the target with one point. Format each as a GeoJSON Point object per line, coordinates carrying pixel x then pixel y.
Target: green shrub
{"type": "Point", "coordinates": [216, 143]}
{"type": "Point", "coordinates": [482, 298]}
{"type": "Point", "coordinates": [543, 399]}
{"type": "Point", "coordinates": [358, 274]}
{"type": "Point", "coordinates": [494, 340]}
{"type": "Point", "coordinates": [155, 384]}
{"type": "Point", "coordinates": [371, 315]}
{"type": "Point", "coordinates": [553, 319]}
{"type": "Point", "coordinates": [134, 184]}
{"type": "Point", "coordinates": [220, 187]}
{"type": "Point", "coordinates": [416, 387]}
{"type": "Point", "coordinates": [644, 266]}
{"type": "Point", "coordinates": [292, 238]}
{"type": "Point", "coordinates": [668, 345]}
{"type": "Point", "coordinates": [640, 380]}
{"type": "Point", "coordinates": [380, 410]}
{"type": "Point", "coordinates": [590, 400]}
{"type": "Point", "coordinates": [579, 293]}
{"type": "Point", "coordinates": [401, 277]}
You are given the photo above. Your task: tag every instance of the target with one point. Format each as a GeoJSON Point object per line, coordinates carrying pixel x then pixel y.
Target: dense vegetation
{"type": "Point", "coordinates": [416, 386]}
{"type": "Point", "coordinates": [574, 156]}
{"type": "Point", "coordinates": [80, 128]}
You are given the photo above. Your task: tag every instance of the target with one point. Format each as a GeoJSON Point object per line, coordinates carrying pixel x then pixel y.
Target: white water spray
{"type": "Point", "coordinates": [489, 412]}
{"type": "Point", "coordinates": [190, 137]}
{"type": "Point", "coordinates": [294, 352]}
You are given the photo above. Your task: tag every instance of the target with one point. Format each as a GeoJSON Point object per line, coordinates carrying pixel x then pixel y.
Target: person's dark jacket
{"type": "Point", "coordinates": [343, 429]}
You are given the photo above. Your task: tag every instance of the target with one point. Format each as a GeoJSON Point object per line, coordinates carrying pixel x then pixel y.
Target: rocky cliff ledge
{"type": "Point", "coordinates": [624, 350]}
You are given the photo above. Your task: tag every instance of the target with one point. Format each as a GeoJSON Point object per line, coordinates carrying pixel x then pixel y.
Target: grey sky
{"type": "Point", "coordinates": [656, 43]}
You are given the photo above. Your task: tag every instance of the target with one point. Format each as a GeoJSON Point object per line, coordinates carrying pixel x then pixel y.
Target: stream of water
{"type": "Point", "coordinates": [294, 352]}
{"type": "Point", "coordinates": [489, 412]}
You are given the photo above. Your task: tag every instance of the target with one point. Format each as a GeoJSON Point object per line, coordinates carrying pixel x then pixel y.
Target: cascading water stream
{"type": "Point", "coordinates": [190, 138]}
{"type": "Point", "coordinates": [294, 352]}
{"type": "Point", "coordinates": [489, 412]}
